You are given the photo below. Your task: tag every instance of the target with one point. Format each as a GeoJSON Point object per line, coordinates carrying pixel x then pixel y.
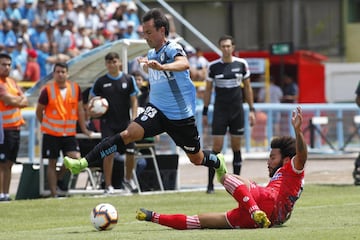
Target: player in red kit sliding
{"type": "Point", "coordinates": [258, 206]}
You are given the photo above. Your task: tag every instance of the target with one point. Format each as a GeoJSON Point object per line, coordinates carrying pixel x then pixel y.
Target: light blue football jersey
{"type": "Point", "coordinates": [171, 92]}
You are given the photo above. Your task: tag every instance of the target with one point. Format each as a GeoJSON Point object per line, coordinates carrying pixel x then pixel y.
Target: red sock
{"type": "Point", "coordinates": [241, 193]}
{"type": "Point", "coordinates": [177, 221]}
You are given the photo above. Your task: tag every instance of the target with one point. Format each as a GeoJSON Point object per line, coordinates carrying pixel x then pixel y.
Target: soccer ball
{"type": "Point", "coordinates": [104, 216]}
{"type": "Point", "coordinates": [98, 105]}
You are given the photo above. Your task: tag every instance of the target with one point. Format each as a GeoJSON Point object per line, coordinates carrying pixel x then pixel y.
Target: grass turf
{"type": "Point", "coordinates": [323, 212]}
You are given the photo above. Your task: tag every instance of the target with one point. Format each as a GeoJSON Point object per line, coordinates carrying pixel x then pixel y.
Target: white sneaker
{"type": "Point", "coordinates": [130, 185]}
{"type": "Point", "coordinates": [109, 190]}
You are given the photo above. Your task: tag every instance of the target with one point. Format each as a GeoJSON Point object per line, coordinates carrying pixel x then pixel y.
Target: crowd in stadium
{"type": "Point", "coordinates": [50, 31]}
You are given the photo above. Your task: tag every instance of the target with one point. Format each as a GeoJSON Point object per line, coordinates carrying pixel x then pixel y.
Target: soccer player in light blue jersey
{"type": "Point", "coordinates": [171, 106]}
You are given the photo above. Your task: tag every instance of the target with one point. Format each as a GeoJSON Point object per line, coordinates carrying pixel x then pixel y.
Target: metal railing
{"type": "Point", "coordinates": [340, 132]}
{"type": "Point", "coordinates": [340, 125]}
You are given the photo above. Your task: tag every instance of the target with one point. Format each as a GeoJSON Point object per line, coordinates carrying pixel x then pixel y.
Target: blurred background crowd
{"type": "Point", "coordinates": [42, 32]}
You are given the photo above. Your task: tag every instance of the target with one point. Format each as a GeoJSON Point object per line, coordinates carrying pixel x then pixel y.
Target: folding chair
{"type": "Point", "coordinates": [150, 146]}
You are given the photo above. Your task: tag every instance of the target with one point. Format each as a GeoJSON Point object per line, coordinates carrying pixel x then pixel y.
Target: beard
{"type": "Point", "coordinates": [271, 174]}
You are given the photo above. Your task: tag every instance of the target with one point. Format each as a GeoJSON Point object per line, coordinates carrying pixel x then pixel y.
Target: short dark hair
{"type": "Point", "coordinates": [286, 144]}
{"type": "Point", "coordinates": [111, 56]}
{"type": "Point", "coordinates": [5, 55]}
{"type": "Point", "coordinates": [160, 20]}
{"type": "Point", "coordinates": [226, 37]}
{"type": "Point", "coordinates": [62, 65]}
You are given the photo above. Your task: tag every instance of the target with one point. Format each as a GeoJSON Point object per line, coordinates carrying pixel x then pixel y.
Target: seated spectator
{"type": "Point", "coordinates": [27, 11]}
{"type": "Point", "coordinates": [82, 40]}
{"type": "Point", "coordinates": [9, 35]}
{"type": "Point", "coordinates": [38, 36]}
{"type": "Point", "coordinates": [13, 11]}
{"type": "Point", "coordinates": [132, 14]}
{"type": "Point", "coordinates": [92, 19]}
{"type": "Point", "coordinates": [3, 16]}
{"type": "Point", "coordinates": [40, 12]}
{"type": "Point", "coordinates": [121, 30]}
{"type": "Point", "coordinates": [97, 37]}
{"type": "Point", "coordinates": [46, 60]}
{"type": "Point", "coordinates": [131, 31]}
{"type": "Point", "coordinates": [32, 72]}
{"type": "Point", "coordinates": [64, 39]}
{"type": "Point", "coordinates": [25, 32]}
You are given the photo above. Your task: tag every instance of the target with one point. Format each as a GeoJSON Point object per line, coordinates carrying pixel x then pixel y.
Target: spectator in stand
{"type": "Point", "coordinates": [63, 38]}
{"type": "Point", "coordinates": [50, 11]}
{"type": "Point", "coordinates": [27, 11]}
{"type": "Point", "coordinates": [82, 40]}
{"type": "Point", "coordinates": [46, 60]}
{"type": "Point", "coordinates": [97, 37]}
{"type": "Point", "coordinates": [92, 20]}
{"type": "Point", "coordinates": [132, 14]}
{"type": "Point", "coordinates": [108, 35]}
{"type": "Point", "coordinates": [122, 10]}
{"type": "Point", "coordinates": [25, 32]}
{"type": "Point", "coordinates": [38, 36]}
{"type": "Point", "coordinates": [9, 34]}
{"type": "Point", "coordinates": [40, 11]}
{"type": "Point", "coordinates": [32, 72]}
{"type": "Point", "coordinates": [119, 13]}
{"type": "Point", "coordinates": [2, 12]}
{"type": "Point", "coordinates": [50, 29]}
{"type": "Point", "coordinates": [121, 33]}
{"type": "Point", "coordinates": [13, 11]}
{"type": "Point", "coordinates": [131, 31]}
{"type": "Point", "coordinates": [79, 9]}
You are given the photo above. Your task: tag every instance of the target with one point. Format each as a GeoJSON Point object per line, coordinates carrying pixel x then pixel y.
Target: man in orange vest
{"type": "Point", "coordinates": [59, 108]}
{"type": "Point", "coordinates": [11, 100]}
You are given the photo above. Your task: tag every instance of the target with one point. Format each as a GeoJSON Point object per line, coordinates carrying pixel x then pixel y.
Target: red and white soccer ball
{"type": "Point", "coordinates": [104, 216]}
{"type": "Point", "coordinates": [98, 105]}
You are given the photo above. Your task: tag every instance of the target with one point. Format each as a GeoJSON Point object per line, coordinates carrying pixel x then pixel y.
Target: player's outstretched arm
{"type": "Point", "coordinates": [301, 147]}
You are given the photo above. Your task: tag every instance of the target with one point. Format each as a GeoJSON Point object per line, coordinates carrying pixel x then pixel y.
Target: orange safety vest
{"type": "Point", "coordinates": [60, 114]}
{"type": "Point", "coordinates": [11, 115]}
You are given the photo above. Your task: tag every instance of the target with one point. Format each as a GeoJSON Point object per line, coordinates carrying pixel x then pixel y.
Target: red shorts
{"type": "Point", "coordinates": [240, 218]}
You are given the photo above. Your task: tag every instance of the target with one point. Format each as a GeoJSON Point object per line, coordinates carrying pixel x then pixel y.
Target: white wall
{"type": "Point", "coordinates": [341, 80]}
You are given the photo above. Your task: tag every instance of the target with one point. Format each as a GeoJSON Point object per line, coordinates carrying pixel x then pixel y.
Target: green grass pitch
{"type": "Point", "coordinates": [323, 212]}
